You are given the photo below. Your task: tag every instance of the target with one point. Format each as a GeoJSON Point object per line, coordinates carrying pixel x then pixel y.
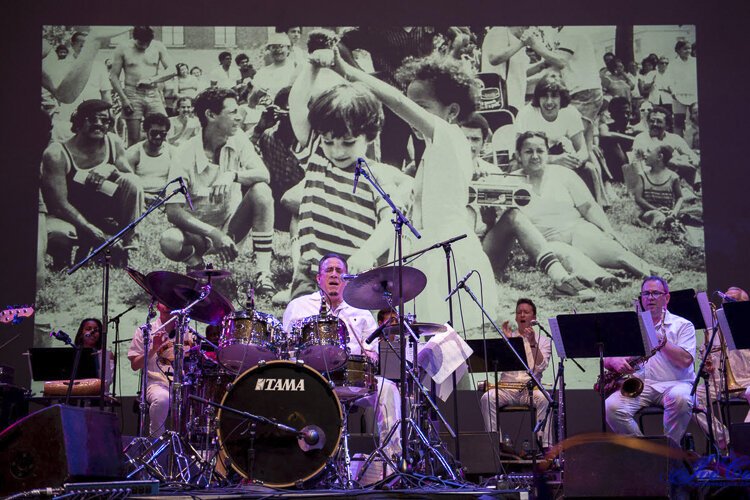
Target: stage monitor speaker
{"type": "Point", "coordinates": [60, 444]}
{"type": "Point", "coordinates": [608, 470]}
{"type": "Point", "coordinates": [480, 451]}
{"type": "Point", "coordinates": [739, 438]}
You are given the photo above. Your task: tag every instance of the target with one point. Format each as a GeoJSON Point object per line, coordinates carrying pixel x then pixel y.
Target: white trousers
{"type": "Point", "coordinates": [157, 396]}
{"type": "Point", "coordinates": [387, 404]}
{"type": "Point", "coordinates": [506, 397]}
{"type": "Point", "coordinates": [676, 401]}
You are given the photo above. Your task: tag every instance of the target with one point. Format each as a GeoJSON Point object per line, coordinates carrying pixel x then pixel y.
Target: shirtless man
{"type": "Point", "coordinates": [141, 59]}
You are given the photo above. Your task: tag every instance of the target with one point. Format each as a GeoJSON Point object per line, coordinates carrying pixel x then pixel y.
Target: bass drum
{"type": "Point", "coordinates": [291, 394]}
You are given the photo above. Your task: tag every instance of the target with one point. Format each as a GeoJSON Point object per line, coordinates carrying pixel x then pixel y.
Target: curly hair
{"type": "Point", "coordinates": [79, 335]}
{"type": "Point", "coordinates": [552, 85]}
{"type": "Point", "coordinates": [451, 82]}
{"type": "Point", "coordinates": [347, 109]}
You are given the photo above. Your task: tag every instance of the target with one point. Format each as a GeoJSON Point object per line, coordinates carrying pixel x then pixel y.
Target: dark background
{"type": "Point", "coordinates": [723, 71]}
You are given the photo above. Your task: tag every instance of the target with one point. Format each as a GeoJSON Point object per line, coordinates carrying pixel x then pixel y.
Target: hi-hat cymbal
{"type": "Point", "coordinates": [176, 291]}
{"type": "Point", "coordinates": [378, 288]}
{"type": "Point", "coordinates": [140, 279]}
{"type": "Point", "coordinates": [209, 273]}
{"type": "Point", "coordinates": [419, 329]}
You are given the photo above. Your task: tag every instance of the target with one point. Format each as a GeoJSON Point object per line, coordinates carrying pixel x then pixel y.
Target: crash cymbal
{"type": "Point", "coordinates": [419, 329]}
{"type": "Point", "coordinates": [370, 290]}
{"type": "Point", "coordinates": [176, 291]}
{"type": "Point", "coordinates": [209, 273]}
{"type": "Point", "coordinates": [140, 279]}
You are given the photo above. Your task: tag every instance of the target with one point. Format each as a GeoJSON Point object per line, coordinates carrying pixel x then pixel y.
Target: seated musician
{"type": "Point", "coordinates": [739, 359]}
{"type": "Point", "coordinates": [667, 375]}
{"type": "Point", "coordinates": [89, 336]}
{"type": "Point", "coordinates": [160, 357]}
{"type": "Point", "coordinates": [512, 388]}
{"type": "Point", "coordinates": [360, 324]}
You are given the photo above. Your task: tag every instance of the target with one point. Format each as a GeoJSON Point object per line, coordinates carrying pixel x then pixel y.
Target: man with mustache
{"type": "Point", "coordinates": [88, 186]}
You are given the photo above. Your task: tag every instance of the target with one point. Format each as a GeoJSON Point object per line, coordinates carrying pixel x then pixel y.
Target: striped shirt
{"type": "Point", "coordinates": [331, 217]}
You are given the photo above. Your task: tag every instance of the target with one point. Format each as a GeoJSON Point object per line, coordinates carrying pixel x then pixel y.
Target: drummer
{"type": "Point", "coordinates": [360, 324]}
{"type": "Point", "coordinates": [160, 357]}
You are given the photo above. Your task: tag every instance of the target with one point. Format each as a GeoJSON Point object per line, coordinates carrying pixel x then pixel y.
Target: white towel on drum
{"type": "Point", "coordinates": [444, 354]}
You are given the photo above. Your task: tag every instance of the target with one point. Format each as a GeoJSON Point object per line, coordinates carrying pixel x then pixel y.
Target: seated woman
{"type": "Point", "coordinates": [563, 210]}
{"type": "Point", "coordinates": [549, 112]}
{"type": "Point", "coordinates": [89, 336]}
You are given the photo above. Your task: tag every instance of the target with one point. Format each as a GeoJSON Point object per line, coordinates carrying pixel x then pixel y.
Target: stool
{"type": "Point", "coordinates": [725, 406]}
{"type": "Point", "coordinates": [657, 410]}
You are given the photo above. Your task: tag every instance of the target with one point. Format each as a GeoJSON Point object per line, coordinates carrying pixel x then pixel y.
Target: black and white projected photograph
{"type": "Point", "coordinates": [566, 158]}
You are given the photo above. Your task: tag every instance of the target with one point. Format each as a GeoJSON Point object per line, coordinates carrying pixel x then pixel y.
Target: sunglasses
{"type": "Point", "coordinates": [157, 134]}
{"type": "Point", "coordinates": [105, 120]}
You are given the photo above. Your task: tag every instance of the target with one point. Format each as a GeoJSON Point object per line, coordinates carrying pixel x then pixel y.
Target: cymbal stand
{"type": "Point", "coordinates": [414, 388]}
{"type": "Point", "coordinates": [184, 463]}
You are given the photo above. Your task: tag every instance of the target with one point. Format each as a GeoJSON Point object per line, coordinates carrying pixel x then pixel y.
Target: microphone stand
{"type": "Point", "coordinates": [64, 337]}
{"type": "Point", "coordinates": [702, 373]}
{"type": "Point", "coordinates": [104, 247]}
{"type": "Point", "coordinates": [116, 321]}
{"type": "Point", "coordinates": [399, 221]}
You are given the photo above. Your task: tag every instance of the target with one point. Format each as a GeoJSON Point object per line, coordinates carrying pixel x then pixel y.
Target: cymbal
{"type": "Point", "coordinates": [370, 289]}
{"type": "Point", "coordinates": [209, 273]}
{"type": "Point", "coordinates": [140, 279]}
{"type": "Point", "coordinates": [419, 329]}
{"type": "Point", "coordinates": [176, 291]}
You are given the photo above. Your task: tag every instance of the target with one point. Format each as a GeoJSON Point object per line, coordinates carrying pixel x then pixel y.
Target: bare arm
{"type": "Point", "coordinates": [556, 58]}
{"type": "Point", "coordinates": [118, 59]}
{"type": "Point", "coordinates": [593, 213]}
{"type": "Point", "coordinates": [639, 199]}
{"type": "Point", "coordinates": [121, 160]}
{"type": "Point", "coordinates": [405, 108]}
{"type": "Point", "coordinates": [55, 191]}
{"type": "Point", "coordinates": [499, 55]}
{"type": "Point", "coordinates": [677, 355]}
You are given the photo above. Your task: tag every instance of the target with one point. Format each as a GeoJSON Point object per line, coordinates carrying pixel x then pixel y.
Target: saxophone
{"type": "Point", "coordinates": [628, 384]}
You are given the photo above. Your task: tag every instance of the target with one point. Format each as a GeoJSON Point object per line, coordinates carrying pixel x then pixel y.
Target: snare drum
{"type": "Point", "coordinates": [321, 342]}
{"type": "Point", "coordinates": [356, 379]}
{"type": "Point", "coordinates": [248, 338]}
{"type": "Point", "coordinates": [199, 419]}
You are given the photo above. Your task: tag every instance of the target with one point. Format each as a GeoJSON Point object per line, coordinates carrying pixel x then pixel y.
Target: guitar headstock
{"type": "Point", "coordinates": [16, 314]}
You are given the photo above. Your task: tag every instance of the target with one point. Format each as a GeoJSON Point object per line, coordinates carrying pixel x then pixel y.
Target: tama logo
{"type": "Point", "coordinates": [279, 384]}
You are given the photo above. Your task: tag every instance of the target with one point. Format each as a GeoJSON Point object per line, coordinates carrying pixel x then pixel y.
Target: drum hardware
{"type": "Point", "coordinates": [182, 463]}
{"type": "Point", "coordinates": [209, 273]}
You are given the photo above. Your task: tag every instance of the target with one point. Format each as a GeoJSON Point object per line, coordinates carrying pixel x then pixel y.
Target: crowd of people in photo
{"type": "Point", "coordinates": [272, 146]}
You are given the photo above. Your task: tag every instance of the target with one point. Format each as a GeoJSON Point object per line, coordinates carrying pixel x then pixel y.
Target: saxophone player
{"type": "Point", "coordinates": [667, 376]}
{"type": "Point", "coordinates": [513, 390]}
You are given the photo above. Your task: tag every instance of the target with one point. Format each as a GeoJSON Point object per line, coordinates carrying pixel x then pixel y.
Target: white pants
{"type": "Point", "coordinates": [507, 397]}
{"type": "Point", "coordinates": [387, 404]}
{"type": "Point", "coordinates": [676, 401]}
{"type": "Point", "coordinates": [157, 396]}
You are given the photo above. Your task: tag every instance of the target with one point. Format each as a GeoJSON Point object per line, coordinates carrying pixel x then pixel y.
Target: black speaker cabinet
{"type": "Point", "coordinates": [608, 470]}
{"type": "Point", "coordinates": [60, 444]}
{"type": "Point", "coordinates": [739, 437]}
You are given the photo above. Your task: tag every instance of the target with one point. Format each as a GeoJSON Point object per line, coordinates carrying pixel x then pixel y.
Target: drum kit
{"type": "Point", "coordinates": [267, 404]}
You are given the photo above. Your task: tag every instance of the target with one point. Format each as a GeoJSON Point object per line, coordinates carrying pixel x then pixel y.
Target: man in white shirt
{"type": "Point", "coordinates": [538, 352]}
{"type": "Point", "coordinates": [225, 75]}
{"type": "Point", "coordinates": [360, 324]}
{"type": "Point", "coordinates": [667, 376]}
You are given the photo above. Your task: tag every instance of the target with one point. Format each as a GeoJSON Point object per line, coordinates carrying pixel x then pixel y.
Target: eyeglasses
{"type": "Point", "coordinates": [105, 120]}
{"type": "Point", "coordinates": [652, 293]}
{"type": "Point", "coordinates": [157, 134]}
{"type": "Point", "coordinates": [663, 62]}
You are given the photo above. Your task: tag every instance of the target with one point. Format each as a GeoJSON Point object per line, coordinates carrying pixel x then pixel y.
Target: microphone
{"type": "Point", "coordinates": [185, 191]}
{"type": "Point", "coordinates": [61, 336]}
{"type": "Point", "coordinates": [541, 327]}
{"type": "Point", "coordinates": [311, 437]}
{"type": "Point", "coordinates": [725, 297]}
{"type": "Point", "coordinates": [460, 284]}
{"type": "Point", "coordinates": [378, 331]}
{"type": "Point", "coordinates": [349, 277]}
{"type": "Point", "coordinates": [357, 171]}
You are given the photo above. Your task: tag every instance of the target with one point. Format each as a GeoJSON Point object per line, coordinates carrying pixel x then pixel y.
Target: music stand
{"type": "Point", "coordinates": [734, 321]}
{"type": "Point", "coordinates": [601, 335]}
{"type": "Point", "coordinates": [692, 306]}
{"type": "Point", "coordinates": [56, 363]}
{"type": "Point", "coordinates": [495, 353]}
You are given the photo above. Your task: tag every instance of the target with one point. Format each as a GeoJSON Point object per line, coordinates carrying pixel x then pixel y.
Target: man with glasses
{"type": "Point", "coordinates": [88, 187]}
{"type": "Point", "coordinates": [152, 157]}
{"type": "Point", "coordinates": [667, 376]}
